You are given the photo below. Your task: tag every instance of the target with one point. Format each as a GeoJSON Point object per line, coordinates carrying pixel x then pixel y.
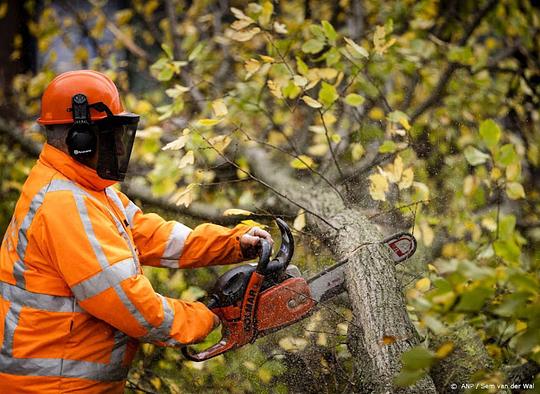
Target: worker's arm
{"type": "Point", "coordinates": [95, 260]}
{"type": "Point", "coordinates": [162, 243]}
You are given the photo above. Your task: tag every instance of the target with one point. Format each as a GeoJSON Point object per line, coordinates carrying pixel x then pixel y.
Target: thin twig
{"type": "Point", "coordinates": [260, 181]}
{"type": "Point", "coordinates": [310, 168]}
{"type": "Point", "coordinates": [327, 134]}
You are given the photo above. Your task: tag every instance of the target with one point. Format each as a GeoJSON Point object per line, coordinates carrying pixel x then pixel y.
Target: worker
{"type": "Point", "coordinates": [74, 303]}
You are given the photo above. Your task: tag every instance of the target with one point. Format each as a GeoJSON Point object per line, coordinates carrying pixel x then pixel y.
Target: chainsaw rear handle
{"type": "Point", "coordinates": [224, 345]}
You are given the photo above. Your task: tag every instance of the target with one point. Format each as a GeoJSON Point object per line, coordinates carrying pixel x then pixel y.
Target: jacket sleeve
{"type": "Point", "coordinates": [90, 252]}
{"type": "Point", "coordinates": [171, 244]}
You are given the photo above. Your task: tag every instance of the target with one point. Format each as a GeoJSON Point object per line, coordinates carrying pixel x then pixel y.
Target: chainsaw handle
{"type": "Point", "coordinates": [264, 256]}
{"type": "Point", "coordinates": [224, 345]}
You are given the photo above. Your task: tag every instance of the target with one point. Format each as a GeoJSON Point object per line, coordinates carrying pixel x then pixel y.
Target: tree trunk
{"type": "Point", "coordinates": [374, 291]}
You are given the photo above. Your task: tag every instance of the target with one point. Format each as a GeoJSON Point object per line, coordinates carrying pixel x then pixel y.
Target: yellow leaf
{"type": "Point", "coordinates": [396, 170]}
{"type": "Point", "coordinates": [253, 223]}
{"type": "Point", "coordinates": [220, 142]}
{"type": "Point", "coordinates": [520, 325]}
{"type": "Point", "coordinates": [185, 196]}
{"type": "Point", "coordinates": [244, 35]}
{"type": "Point", "coordinates": [241, 24]}
{"type": "Point", "coordinates": [515, 190]}
{"type": "Point", "coordinates": [275, 89]}
{"type": "Point", "coordinates": [291, 343]}
{"type": "Point", "coordinates": [266, 14]}
{"type": "Point", "coordinates": [177, 144]}
{"type": "Point", "coordinates": [3, 9]}
{"type": "Point", "coordinates": [300, 220]}
{"type": "Point", "coordinates": [357, 151]}
{"type": "Point", "coordinates": [422, 189]}
{"type": "Point", "coordinates": [302, 162]}
{"type": "Point", "coordinates": [239, 14]}
{"type": "Point", "coordinates": [311, 102]}
{"type": "Point", "coordinates": [444, 350]}
{"type": "Point", "coordinates": [186, 160]}
{"type": "Point", "coordinates": [427, 233]}
{"type": "Point", "coordinates": [300, 81]}
{"type": "Point", "coordinates": [267, 59]}
{"type": "Point", "coordinates": [423, 285]}
{"type": "Point", "coordinates": [208, 122]}
{"type": "Point", "coordinates": [388, 340]}
{"type": "Point", "coordinates": [357, 49]}
{"type": "Point", "coordinates": [219, 108]}
{"type": "Point", "coordinates": [156, 382]}
{"type": "Point", "coordinates": [405, 123]}
{"type": "Point", "coordinates": [235, 212]}
{"type": "Point", "coordinates": [251, 66]}
{"type": "Point", "coordinates": [376, 113]}
{"type": "Point", "coordinates": [406, 179]}
{"type": "Point", "coordinates": [280, 28]}
{"type": "Point", "coordinates": [513, 171]}
{"type": "Point", "coordinates": [318, 149]}
{"type": "Point", "coordinates": [378, 187]}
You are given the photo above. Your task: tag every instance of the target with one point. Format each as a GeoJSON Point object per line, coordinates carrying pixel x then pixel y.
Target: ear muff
{"type": "Point", "coordinates": [81, 139]}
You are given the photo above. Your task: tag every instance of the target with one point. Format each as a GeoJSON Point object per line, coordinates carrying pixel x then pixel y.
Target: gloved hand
{"type": "Point", "coordinates": [250, 242]}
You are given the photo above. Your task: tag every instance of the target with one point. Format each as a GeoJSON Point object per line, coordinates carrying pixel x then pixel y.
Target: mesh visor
{"type": "Point", "coordinates": [116, 137]}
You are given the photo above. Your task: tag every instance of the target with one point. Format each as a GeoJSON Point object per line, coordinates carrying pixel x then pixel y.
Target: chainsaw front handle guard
{"type": "Point", "coordinates": [286, 249]}
{"type": "Point", "coordinates": [238, 333]}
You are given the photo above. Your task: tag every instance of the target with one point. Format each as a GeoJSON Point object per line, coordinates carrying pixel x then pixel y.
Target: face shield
{"type": "Point", "coordinates": [116, 135]}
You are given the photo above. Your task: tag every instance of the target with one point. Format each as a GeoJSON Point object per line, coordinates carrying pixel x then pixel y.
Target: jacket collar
{"type": "Point", "coordinates": [72, 169]}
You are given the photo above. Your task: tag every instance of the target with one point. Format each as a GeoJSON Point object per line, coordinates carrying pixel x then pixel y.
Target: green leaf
{"type": "Point", "coordinates": [165, 74]}
{"type": "Point", "coordinates": [354, 99]}
{"type": "Point", "coordinates": [388, 147]}
{"type": "Point", "coordinates": [515, 191]}
{"type": "Point", "coordinates": [507, 155]}
{"type": "Point", "coordinates": [473, 300]}
{"type": "Point", "coordinates": [511, 305]}
{"type": "Point", "coordinates": [474, 156]}
{"type": "Point", "coordinates": [407, 377]}
{"type": "Point", "coordinates": [328, 94]}
{"type": "Point", "coordinates": [329, 32]}
{"type": "Point", "coordinates": [312, 46]}
{"type": "Point", "coordinates": [417, 358]}
{"type": "Point", "coordinates": [490, 133]}
{"type": "Point", "coordinates": [168, 51]}
{"type": "Point", "coordinates": [332, 57]}
{"type": "Point", "coordinates": [196, 52]}
{"type": "Point", "coordinates": [507, 250]}
{"type": "Point", "coordinates": [507, 224]}
{"type": "Point", "coordinates": [302, 67]}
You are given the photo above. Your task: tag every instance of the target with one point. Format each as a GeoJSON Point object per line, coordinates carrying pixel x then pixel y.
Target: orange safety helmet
{"type": "Point", "coordinates": [56, 100]}
{"type": "Point", "coordinates": [89, 102]}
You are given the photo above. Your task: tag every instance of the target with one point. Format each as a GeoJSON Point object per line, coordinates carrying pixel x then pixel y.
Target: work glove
{"type": "Point", "coordinates": [250, 242]}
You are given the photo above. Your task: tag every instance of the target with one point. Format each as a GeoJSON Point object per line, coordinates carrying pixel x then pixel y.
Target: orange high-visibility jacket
{"type": "Point", "coordinates": [74, 303]}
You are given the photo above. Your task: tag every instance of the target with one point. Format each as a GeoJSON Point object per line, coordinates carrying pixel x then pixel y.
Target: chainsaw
{"type": "Point", "coordinates": [254, 300]}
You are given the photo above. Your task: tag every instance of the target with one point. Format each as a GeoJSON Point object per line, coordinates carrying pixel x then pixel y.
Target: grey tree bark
{"type": "Point", "coordinates": [374, 291]}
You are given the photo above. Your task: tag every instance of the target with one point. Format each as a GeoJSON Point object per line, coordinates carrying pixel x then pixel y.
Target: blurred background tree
{"type": "Point", "coordinates": [351, 119]}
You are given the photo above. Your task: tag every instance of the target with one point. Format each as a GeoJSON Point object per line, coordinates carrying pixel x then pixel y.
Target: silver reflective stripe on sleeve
{"type": "Point", "coordinates": [131, 210]}
{"type": "Point", "coordinates": [111, 193]}
{"type": "Point", "coordinates": [162, 333]}
{"type": "Point", "coordinates": [109, 277]}
{"type": "Point", "coordinates": [175, 246]}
